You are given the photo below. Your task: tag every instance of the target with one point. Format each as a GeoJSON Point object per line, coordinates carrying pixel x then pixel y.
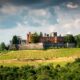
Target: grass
{"type": "Point", "coordinates": [50, 54]}
{"type": "Point", "coordinates": [41, 54]}
{"type": "Point", "coordinates": [19, 64]}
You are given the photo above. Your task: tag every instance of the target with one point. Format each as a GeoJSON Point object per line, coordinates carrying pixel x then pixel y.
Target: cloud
{"type": "Point", "coordinates": [72, 5]}
{"type": "Point", "coordinates": [52, 28]}
{"type": "Point", "coordinates": [40, 17]}
{"type": "Point", "coordinates": [19, 9]}
{"type": "Point", "coordinates": [38, 12]}
{"type": "Point", "coordinates": [67, 22]}
{"type": "Point", "coordinates": [10, 9]}
{"type": "Point", "coordinates": [36, 3]}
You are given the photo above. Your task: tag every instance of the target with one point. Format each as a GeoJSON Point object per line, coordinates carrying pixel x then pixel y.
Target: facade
{"type": "Point", "coordinates": [49, 40]}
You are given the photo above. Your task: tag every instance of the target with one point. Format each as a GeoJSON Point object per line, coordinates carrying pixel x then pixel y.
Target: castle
{"type": "Point", "coordinates": [50, 38]}
{"type": "Point", "coordinates": [45, 41]}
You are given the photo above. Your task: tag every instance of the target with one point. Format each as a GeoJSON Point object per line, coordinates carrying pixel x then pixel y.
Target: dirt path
{"type": "Point", "coordinates": [61, 59]}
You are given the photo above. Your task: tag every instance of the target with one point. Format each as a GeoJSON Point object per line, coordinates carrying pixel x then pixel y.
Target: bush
{"type": "Point", "coordinates": [77, 60]}
{"type": "Point", "coordinates": [44, 77]}
{"type": "Point", "coordinates": [69, 72]}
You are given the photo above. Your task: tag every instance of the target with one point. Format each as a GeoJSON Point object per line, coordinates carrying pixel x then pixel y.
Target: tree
{"type": "Point", "coordinates": [2, 46]}
{"type": "Point", "coordinates": [69, 39]}
{"type": "Point", "coordinates": [77, 38]}
{"type": "Point", "coordinates": [35, 38]}
{"type": "Point", "coordinates": [15, 42]}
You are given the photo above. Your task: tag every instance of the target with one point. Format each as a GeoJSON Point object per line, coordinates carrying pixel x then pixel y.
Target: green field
{"type": "Point", "coordinates": [34, 57]}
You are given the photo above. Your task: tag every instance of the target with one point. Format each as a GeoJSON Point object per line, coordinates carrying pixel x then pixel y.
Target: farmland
{"type": "Point", "coordinates": [34, 57]}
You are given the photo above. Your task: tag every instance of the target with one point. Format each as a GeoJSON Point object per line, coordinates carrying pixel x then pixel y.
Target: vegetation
{"type": "Point", "coordinates": [35, 38]}
{"type": "Point", "coordinates": [77, 38]}
{"type": "Point", "coordinates": [69, 39]}
{"type": "Point", "coordinates": [2, 46]}
{"type": "Point", "coordinates": [15, 42]}
{"type": "Point", "coordinates": [36, 57]}
{"type": "Point", "coordinates": [72, 39]}
{"type": "Point", "coordinates": [41, 54]}
{"type": "Point", "coordinates": [70, 71]}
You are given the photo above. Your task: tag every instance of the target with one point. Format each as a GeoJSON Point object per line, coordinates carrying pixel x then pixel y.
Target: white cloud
{"type": "Point", "coordinates": [11, 9]}
{"type": "Point", "coordinates": [72, 5]}
{"type": "Point", "coordinates": [38, 12]}
{"type": "Point", "coordinates": [68, 21]}
{"type": "Point", "coordinates": [68, 32]}
{"type": "Point", "coordinates": [8, 9]}
{"type": "Point", "coordinates": [52, 28]}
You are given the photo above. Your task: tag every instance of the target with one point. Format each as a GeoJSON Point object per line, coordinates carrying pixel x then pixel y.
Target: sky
{"type": "Point", "coordinates": [18, 17]}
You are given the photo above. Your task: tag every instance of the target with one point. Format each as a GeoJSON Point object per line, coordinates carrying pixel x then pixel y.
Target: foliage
{"type": "Point", "coordinates": [15, 40]}
{"type": "Point", "coordinates": [35, 38]}
{"type": "Point", "coordinates": [43, 72]}
{"type": "Point", "coordinates": [69, 39]}
{"type": "Point", "coordinates": [77, 60]}
{"type": "Point", "coordinates": [2, 46]}
{"type": "Point", "coordinates": [77, 38]}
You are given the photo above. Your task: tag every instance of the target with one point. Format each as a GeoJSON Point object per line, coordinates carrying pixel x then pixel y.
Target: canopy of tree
{"type": "Point", "coordinates": [2, 46]}
{"type": "Point", "coordinates": [15, 40]}
{"type": "Point", "coordinates": [69, 39]}
{"type": "Point", "coordinates": [77, 38]}
{"type": "Point", "coordinates": [35, 38]}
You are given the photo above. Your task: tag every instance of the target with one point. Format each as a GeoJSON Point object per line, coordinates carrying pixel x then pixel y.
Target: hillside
{"type": "Point", "coordinates": [24, 57]}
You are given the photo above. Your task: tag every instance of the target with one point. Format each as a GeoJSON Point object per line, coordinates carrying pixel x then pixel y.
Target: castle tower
{"type": "Point", "coordinates": [29, 37]}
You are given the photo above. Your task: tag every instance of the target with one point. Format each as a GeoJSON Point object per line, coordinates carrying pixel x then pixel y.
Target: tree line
{"type": "Point", "coordinates": [72, 39]}
{"type": "Point", "coordinates": [71, 71]}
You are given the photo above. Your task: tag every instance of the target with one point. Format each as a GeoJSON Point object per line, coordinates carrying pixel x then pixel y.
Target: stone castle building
{"type": "Point", "coordinates": [45, 41]}
{"type": "Point", "coordinates": [48, 39]}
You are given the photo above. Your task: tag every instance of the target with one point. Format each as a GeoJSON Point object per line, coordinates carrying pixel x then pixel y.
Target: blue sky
{"type": "Point", "coordinates": [18, 17]}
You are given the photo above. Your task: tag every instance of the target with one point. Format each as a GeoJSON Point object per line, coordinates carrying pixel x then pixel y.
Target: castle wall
{"type": "Point", "coordinates": [31, 46]}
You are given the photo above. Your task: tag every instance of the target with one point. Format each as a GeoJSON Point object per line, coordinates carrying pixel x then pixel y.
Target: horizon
{"type": "Point", "coordinates": [18, 17]}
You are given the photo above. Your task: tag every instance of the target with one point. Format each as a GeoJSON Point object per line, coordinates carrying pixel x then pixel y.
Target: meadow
{"type": "Point", "coordinates": [34, 57]}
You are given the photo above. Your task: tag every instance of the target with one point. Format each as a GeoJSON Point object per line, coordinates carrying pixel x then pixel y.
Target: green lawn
{"type": "Point", "coordinates": [49, 54]}
{"type": "Point", "coordinates": [41, 54]}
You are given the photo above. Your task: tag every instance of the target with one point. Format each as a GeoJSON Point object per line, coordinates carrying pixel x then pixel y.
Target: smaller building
{"type": "Point", "coordinates": [16, 46]}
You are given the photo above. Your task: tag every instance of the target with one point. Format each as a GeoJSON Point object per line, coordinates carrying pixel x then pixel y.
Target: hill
{"type": "Point", "coordinates": [34, 57]}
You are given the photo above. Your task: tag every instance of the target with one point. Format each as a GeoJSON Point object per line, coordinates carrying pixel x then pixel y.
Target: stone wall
{"type": "Point", "coordinates": [70, 45]}
{"type": "Point", "coordinates": [31, 46]}
{"type": "Point", "coordinates": [47, 45]}
{"type": "Point", "coordinates": [41, 46]}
